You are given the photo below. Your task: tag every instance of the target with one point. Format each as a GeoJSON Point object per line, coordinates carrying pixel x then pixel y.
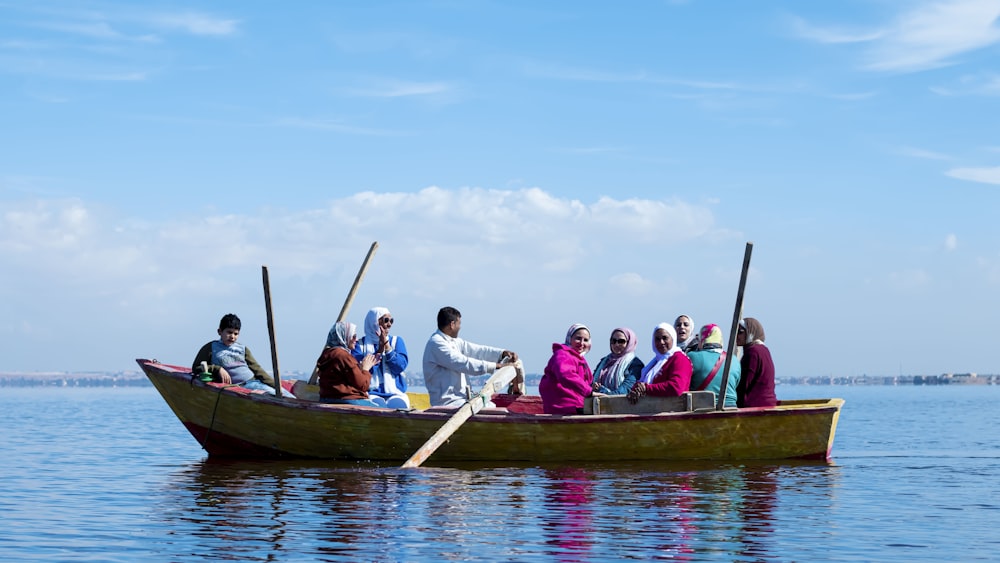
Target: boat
{"type": "Point", "coordinates": [231, 421]}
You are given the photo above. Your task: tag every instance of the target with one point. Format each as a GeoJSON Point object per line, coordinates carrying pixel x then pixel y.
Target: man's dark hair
{"type": "Point", "coordinates": [229, 321]}
{"type": "Point", "coordinates": [446, 315]}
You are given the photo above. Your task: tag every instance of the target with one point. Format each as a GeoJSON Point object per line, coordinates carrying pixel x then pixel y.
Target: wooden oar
{"type": "Point", "coordinates": [350, 299]}
{"type": "Point", "coordinates": [499, 380]}
{"type": "Point", "coordinates": [270, 332]}
{"type": "Point", "coordinates": [721, 400]}
{"type": "Point", "coordinates": [357, 282]}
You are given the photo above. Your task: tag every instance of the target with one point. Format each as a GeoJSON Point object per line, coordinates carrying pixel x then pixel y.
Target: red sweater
{"type": "Point", "coordinates": [756, 386]}
{"type": "Point", "coordinates": [673, 378]}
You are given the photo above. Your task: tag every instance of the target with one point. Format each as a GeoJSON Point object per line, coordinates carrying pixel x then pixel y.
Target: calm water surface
{"type": "Point", "coordinates": [111, 475]}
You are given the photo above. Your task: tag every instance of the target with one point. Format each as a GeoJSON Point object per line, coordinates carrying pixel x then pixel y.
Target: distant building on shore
{"type": "Point", "coordinates": [138, 379]}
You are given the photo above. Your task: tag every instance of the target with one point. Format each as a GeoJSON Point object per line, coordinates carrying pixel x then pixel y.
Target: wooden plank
{"type": "Point", "coordinates": [619, 404]}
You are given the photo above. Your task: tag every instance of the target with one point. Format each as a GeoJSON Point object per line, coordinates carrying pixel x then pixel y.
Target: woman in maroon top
{"type": "Point", "coordinates": [341, 379]}
{"type": "Point", "coordinates": [756, 386]}
{"type": "Point", "coordinates": [669, 373]}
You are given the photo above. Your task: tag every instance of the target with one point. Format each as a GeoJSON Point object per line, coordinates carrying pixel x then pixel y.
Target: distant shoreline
{"type": "Point", "coordinates": [138, 379]}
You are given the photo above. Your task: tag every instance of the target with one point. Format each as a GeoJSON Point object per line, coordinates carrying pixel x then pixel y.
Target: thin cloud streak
{"type": "Point", "coordinates": [985, 175]}
{"type": "Point", "coordinates": [928, 36]}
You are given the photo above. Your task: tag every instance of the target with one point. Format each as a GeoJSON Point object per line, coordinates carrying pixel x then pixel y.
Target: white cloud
{"type": "Point", "coordinates": [335, 125]}
{"type": "Point", "coordinates": [922, 153]}
{"type": "Point", "coordinates": [979, 84]}
{"type": "Point", "coordinates": [501, 256]}
{"type": "Point", "coordinates": [929, 35]}
{"type": "Point", "coordinates": [194, 23]}
{"type": "Point", "coordinates": [805, 30]}
{"type": "Point", "coordinates": [951, 242]}
{"type": "Point", "coordinates": [402, 89]}
{"type": "Point", "coordinates": [985, 175]}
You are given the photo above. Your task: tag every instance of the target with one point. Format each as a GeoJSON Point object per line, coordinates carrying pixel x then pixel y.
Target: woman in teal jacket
{"type": "Point", "coordinates": [707, 363]}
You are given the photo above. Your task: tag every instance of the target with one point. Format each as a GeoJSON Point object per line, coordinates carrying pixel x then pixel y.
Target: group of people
{"type": "Point", "coordinates": [683, 360]}
{"type": "Point", "coordinates": [370, 370]}
{"type": "Point", "coordinates": [366, 371]}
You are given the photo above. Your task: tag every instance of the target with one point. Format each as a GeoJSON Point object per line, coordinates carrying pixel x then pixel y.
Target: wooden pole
{"type": "Point", "coordinates": [499, 380]}
{"type": "Point", "coordinates": [721, 401]}
{"type": "Point", "coordinates": [357, 282]}
{"type": "Point", "coordinates": [314, 378]}
{"type": "Point", "coordinates": [270, 332]}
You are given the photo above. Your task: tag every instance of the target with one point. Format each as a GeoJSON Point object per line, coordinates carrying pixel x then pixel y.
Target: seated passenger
{"type": "Point", "coordinates": [756, 388]}
{"type": "Point", "coordinates": [617, 372]}
{"type": "Point", "coordinates": [666, 375]}
{"type": "Point", "coordinates": [388, 384]}
{"type": "Point", "coordinates": [707, 362]}
{"type": "Point", "coordinates": [687, 338]}
{"type": "Point", "coordinates": [567, 379]}
{"type": "Point", "coordinates": [231, 362]}
{"type": "Point", "coordinates": [341, 379]}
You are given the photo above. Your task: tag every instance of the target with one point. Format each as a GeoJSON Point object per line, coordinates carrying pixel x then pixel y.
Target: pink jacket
{"type": "Point", "coordinates": [566, 382]}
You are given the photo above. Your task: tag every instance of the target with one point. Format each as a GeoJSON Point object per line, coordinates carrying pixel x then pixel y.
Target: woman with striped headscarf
{"type": "Point", "coordinates": [707, 363]}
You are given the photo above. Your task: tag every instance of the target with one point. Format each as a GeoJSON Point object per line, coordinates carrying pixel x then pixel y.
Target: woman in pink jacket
{"type": "Point", "coordinates": [669, 373]}
{"type": "Point", "coordinates": [567, 380]}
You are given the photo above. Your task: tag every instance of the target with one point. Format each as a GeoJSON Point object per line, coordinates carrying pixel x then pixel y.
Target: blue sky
{"type": "Point", "coordinates": [533, 164]}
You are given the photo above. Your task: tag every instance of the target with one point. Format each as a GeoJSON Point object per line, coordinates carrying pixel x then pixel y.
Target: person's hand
{"type": "Point", "coordinates": [511, 357]}
{"type": "Point", "coordinates": [595, 387]}
{"type": "Point", "coordinates": [368, 361]}
{"type": "Point", "coordinates": [383, 340]}
{"type": "Point", "coordinates": [637, 390]}
{"type": "Point", "coordinates": [224, 376]}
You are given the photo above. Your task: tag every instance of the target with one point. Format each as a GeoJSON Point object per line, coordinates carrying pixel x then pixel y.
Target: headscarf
{"type": "Point", "coordinates": [341, 334]}
{"type": "Point", "coordinates": [755, 331]}
{"type": "Point", "coordinates": [654, 365]}
{"type": "Point", "coordinates": [569, 336]}
{"type": "Point", "coordinates": [611, 370]}
{"type": "Point", "coordinates": [692, 340]}
{"type": "Point", "coordinates": [710, 337]}
{"type": "Point", "coordinates": [372, 327]}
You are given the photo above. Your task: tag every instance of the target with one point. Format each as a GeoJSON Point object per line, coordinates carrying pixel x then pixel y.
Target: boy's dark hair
{"type": "Point", "coordinates": [229, 321]}
{"type": "Point", "coordinates": [446, 315]}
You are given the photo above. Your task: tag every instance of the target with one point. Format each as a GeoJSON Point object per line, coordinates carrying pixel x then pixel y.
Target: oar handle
{"type": "Point", "coordinates": [500, 378]}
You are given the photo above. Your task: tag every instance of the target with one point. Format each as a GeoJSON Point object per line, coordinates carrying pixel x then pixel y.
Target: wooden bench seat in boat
{"type": "Point", "coordinates": [692, 401]}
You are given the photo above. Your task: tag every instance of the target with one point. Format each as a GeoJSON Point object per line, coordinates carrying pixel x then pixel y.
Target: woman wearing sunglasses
{"type": "Point", "coordinates": [617, 372]}
{"type": "Point", "coordinates": [388, 386]}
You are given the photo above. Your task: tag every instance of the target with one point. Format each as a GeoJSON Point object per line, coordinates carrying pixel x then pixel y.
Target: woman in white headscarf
{"type": "Point", "coordinates": [669, 373]}
{"type": "Point", "coordinates": [388, 386]}
{"type": "Point", "coordinates": [341, 379]}
{"type": "Point", "coordinates": [687, 337]}
{"type": "Point", "coordinates": [617, 372]}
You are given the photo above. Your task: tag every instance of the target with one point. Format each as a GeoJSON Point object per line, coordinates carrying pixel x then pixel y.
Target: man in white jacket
{"type": "Point", "coordinates": [448, 358]}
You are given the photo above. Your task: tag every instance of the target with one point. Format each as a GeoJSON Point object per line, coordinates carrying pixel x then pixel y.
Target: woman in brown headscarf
{"type": "Point", "coordinates": [756, 387]}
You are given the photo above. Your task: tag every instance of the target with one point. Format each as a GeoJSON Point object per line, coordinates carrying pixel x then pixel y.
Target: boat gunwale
{"type": "Point", "coordinates": [797, 408]}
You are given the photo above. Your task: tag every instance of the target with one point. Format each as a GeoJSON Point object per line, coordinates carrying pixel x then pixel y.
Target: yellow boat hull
{"type": "Point", "coordinates": [232, 422]}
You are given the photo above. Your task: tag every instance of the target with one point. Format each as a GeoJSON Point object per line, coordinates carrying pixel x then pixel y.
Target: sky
{"type": "Point", "coordinates": [533, 164]}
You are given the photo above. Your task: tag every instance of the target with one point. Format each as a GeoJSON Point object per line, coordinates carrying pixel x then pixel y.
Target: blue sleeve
{"type": "Point", "coordinates": [632, 374]}
{"type": "Point", "coordinates": [396, 361]}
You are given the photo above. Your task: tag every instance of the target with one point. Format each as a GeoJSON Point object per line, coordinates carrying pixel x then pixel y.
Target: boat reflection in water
{"type": "Point", "coordinates": [247, 511]}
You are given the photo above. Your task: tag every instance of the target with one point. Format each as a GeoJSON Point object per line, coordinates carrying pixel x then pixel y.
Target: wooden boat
{"type": "Point", "coordinates": [234, 422]}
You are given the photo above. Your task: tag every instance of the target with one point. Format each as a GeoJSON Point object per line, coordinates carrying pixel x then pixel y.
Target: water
{"type": "Point", "coordinates": [92, 474]}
